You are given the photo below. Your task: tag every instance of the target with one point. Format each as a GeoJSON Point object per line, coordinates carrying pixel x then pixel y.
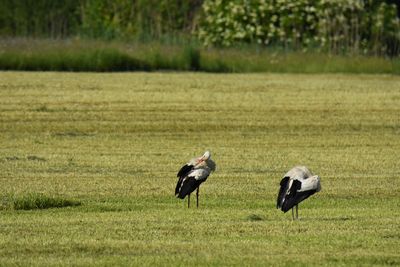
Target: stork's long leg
{"type": "Point", "coordinates": [297, 212]}
{"type": "Point", "coordinates": [197, 196]}
{"type": "Point", "coordinates": [189, 201]}
{"type": "Point", "coordinates": [293, 213]}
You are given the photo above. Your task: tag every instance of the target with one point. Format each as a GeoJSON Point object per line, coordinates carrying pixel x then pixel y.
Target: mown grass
{"type": "Point", "coordinates": [97, 56]}
{"type": "Point", "coordinates": [115, 141]}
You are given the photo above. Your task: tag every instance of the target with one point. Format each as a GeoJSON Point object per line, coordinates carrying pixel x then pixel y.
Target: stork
{"type": "Point", "coordinates": [297, 185]}
{"type": "Point", "coordinates": [192, 174]}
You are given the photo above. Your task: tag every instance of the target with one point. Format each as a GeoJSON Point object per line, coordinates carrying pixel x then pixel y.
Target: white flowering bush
{"type": "Point", "coordinates": [261, 21]}
{"type": "Point", "coordinates": [334, 25]}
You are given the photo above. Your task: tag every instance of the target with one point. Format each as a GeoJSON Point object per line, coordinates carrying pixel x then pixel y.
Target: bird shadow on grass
{"type": "Point", "coordinates": [328, 219]}
{"type": "Point", "coordinates": [255, 218]}
{"type": "Point", "coordinates": [340, 218]}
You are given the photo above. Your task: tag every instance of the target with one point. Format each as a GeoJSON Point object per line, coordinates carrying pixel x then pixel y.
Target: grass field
{"type": "Point", "coordinates": [114, 142]}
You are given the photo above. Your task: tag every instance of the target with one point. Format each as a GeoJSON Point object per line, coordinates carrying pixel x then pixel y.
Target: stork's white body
{"type": "Point", "coordinates": [191, 175]}
{"type": "Point", "coordinates": [297, 185]}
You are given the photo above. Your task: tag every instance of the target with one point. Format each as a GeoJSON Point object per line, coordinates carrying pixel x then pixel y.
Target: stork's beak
{"type": "Point", "coordinates": [204, 157]}
{"type": "Point", "coordinates": [200, 160]}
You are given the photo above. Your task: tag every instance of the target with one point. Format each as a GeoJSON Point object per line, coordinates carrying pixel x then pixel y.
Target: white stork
{"type": "Point", "coordinates": [297, 185]}
{"type": "Point", "coordinates": [191, 175]}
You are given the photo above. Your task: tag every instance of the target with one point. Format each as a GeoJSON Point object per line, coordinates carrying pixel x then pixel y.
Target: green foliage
{"type": "Point", "coordinates": [109, 19]}
{"type": "Point", "coordinates": [385, 30]}
{"type": "Point", "coordinates": [39, 18]}
{"type": "Point", "coordinates": [336, 26]}
{"type": "Point", "coordinates": [79, 60]}
{"type": "Point", "coordinates": [116, 140]}
{"type": "Point", "coordinates": [192, 56]}
{"type": "Point", "coordinates": [70, 55]}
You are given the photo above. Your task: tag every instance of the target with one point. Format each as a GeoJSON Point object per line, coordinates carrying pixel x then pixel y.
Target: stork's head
{"type": "Point", "coordinates": [205, 157]}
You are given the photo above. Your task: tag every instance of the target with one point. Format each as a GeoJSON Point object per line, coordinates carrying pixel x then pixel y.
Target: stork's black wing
{"type": "Point", "coordinates": [294, 197]}
{"type": "Point", "coordinates": [183, 172]}
{"type": "Point", "coordinates": [282, 192]}
{"type": "Point", "coordinates": [187, 186]}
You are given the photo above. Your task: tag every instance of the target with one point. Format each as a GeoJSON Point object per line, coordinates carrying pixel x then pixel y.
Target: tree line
{"type": "Point", "coordinates": [337, 26]}
{"type": "Point", "coordinates": [97, 18]}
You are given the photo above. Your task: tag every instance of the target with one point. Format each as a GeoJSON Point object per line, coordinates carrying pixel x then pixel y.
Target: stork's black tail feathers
{"type": "Point", "coordinates": [183, 172]}
{"type": "Point", "coordinates": [296, 197]}
{"type": "Point", "coordinates": [178, 185]}
{"type": "Point", "coordinates": [186, 187]}
{"type": "Point", "coordinates": [282, 192]}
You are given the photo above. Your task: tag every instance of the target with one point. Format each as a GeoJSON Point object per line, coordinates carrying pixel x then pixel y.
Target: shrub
{"type": "Point", "coordinates": [338, 26]}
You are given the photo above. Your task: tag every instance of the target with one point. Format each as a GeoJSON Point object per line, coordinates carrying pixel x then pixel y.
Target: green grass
{"type": "Point", "coordinates": [33, 201]}
{"type": "Point", "coordinates": [99, 56]}
{"type": "Point", "coordinates": [114, 142]}
{"type": "Point", "coordinates": [71, 60]}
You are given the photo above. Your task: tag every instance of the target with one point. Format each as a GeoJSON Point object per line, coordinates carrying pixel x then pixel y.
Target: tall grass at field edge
{"type": "Point", "coordinates": [102, 57]}
{"type": "Point", "coordinates": [86, 60]}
